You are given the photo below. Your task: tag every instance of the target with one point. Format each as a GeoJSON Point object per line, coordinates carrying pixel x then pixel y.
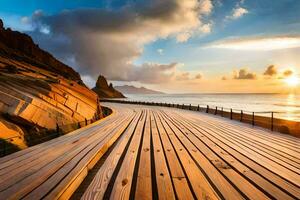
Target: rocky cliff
{"type": "Point", "coordinates": [21, 47]}
{"type": "Point", "coordinates": [38, 92]}
{"type": "Point", "coordinates": [106, 91]}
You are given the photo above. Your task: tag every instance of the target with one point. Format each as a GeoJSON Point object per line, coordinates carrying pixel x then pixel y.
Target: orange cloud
{"type": "Point", "coordinates": [288, 72]}
{"type": "Point", "coordinates": [244, 74]}
{"type": "Point", "coordinates": [271, 71]}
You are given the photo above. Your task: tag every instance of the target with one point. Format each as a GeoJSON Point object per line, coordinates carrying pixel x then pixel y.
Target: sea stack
{"type": "Point", "coordinates": [105, 90]}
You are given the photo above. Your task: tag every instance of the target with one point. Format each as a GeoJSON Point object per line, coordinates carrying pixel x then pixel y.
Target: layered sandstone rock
{"type": "Point", "coordinates": [37, 92]}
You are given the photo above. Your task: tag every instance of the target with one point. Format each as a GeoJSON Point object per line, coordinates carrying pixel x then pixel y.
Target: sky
{"type": "Point", "coordinates": [175, 46]}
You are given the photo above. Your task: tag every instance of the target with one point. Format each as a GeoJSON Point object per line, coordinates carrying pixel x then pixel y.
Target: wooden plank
{"type": "Point", "coordinates": [34, 165]}
{"type": "Point", "coordinates": [276, 168]}
{"type": "Point", "coordinates": [23, 155]}
{"type": "Point", "coordinates": [122, 186]}
{"type": "Point", "coordinates": [68, 178]}
{"type": "Point", "coordinates": [263, 134]}
{"type": "Point", "coordinates": [101, 180]}
{"type": "Point", "coordinates": [263, 150]}
{"type": "Point", "coordinates": [69, 184]}
{"type": "Point", "coordinates": [252, 164]}
{"type": "Point", "coordinates": [193, 156]}
{"type": "Point", "coordinates": [144, 183]}
{"type": "Point", "coordinates": [30, 182]}
{"type": "Point", "coordinates": [255, 136]}
{"type": "Point", "coordinates": [199, 182]}
{"type": "Point", "coordinates": [211, 150]}
{"type": "Point", "coordinates": [163, 180]}
{"type": "Point", "coordinates": [267, 146]}
{"type": "Point", "coordinates": [279, 168]}
{"type": "Point", "coordinates": [180, 182]}
{"type": "Point", "coordinates": [210, 167]}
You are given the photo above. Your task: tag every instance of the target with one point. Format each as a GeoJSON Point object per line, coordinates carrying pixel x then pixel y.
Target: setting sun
{"type": "Point", "coordinates": [292, 81]}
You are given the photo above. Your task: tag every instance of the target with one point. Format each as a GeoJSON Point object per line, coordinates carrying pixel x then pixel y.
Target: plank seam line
{"type": "Point", "coordinates": [153, 171]}
{"type": "Point", "coordinates": [83, 186]}
{"type": "Point", "coordinates": [185, 174]}
{"type": "Point", "coordinates": [109, 188]}
{"type": "Point", "coordinates": [137, 162]}
{"type": "Point", "coordinates": [200, 168]}
{"type": "Point", "coordinates": [165, 156]}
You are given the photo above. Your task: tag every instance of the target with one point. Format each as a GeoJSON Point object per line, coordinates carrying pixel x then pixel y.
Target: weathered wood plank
{"type": "Point", "coordinates": [33, 167]}
{"type": "Point", "coordinates": [211, 150]}
{"type": "Point", "coordinates": [252, 164]}
{"type": "Point", "coordinates": [144, 182]}
{"type": "Point", "coordinates": [178, 154]}
{"type": "Point", "coordinates": [200, 184]}
{"type": "Point", "coordinates": [65, 181]}
{"type": "Point", "coordinates": [162, 175]}
{"type": "Point", "coordinates": [179, 179]}
{"type": "Point", "coordinates": [122, 186]}
{"type": "Point", "coordinates": [261, 146]}
{"type": "Point", "coordinates": [101, 180]}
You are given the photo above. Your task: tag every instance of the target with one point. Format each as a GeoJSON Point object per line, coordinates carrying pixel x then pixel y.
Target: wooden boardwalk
{"type": "Point", "coordinates": [158, 153]}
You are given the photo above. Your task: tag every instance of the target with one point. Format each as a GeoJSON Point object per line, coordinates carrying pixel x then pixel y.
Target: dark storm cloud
{"type": "Point", "coordinates": [108, 41]}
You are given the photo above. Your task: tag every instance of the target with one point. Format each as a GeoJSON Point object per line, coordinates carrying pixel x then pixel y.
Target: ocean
{"type": "Point", "coordinates": [285, 106]}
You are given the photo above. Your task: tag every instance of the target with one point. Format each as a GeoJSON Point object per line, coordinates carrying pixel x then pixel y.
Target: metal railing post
{"type": "Point", "coordinates": [230, 113]}
{"type": "Point", "coordinates": [241, 116]}
{"type": "Point", "coordinates": [198, 108]}
{"type": "Point", "coordinates": [253, 119]}
{"type": "Point", "coordinates": [207, 109]}
{"type": "Point", "coordinates": [222, 112]}
{"type": "Point", "coordinates": [190, 107]}
{"type": "Point", "coordinates": [216, 110]}
{"type": "Point", "coordinates": [272, 121]}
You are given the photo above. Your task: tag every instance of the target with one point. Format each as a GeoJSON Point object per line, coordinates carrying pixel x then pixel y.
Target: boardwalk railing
{"type": "Point", "coordinates": [264, 119]}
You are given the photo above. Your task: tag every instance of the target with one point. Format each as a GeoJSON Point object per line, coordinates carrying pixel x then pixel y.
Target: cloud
{"type": "Point", "coordinates": [103, 41]}
{"type": "Point", "coordinates": [244, 74]}
{"type": "Point", "coordinates": [186, 76]}
{"type": "Point", "coordinates": [160, 51]}
{"type": "Point", "coordinates": [238, 11]}
{"type": "Point", "coordinates": [271, 71]}
{"type": "Point", "coordinates": [183, 37]}
{"type": "Point", "coordinates": [205, 7]}
{"type": "Point", "coordinates": [25, 20]}
{"type": "Point", "coordinates": [206, 28]}
{"type": "Point", "coordinates": [265, 43]}
{"type": "Point", "coordinates": [198, 76]}
{"type": "Point", "coordinates": [288, 72]}
{"type": "Point", "coordinates": [152, 73]}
